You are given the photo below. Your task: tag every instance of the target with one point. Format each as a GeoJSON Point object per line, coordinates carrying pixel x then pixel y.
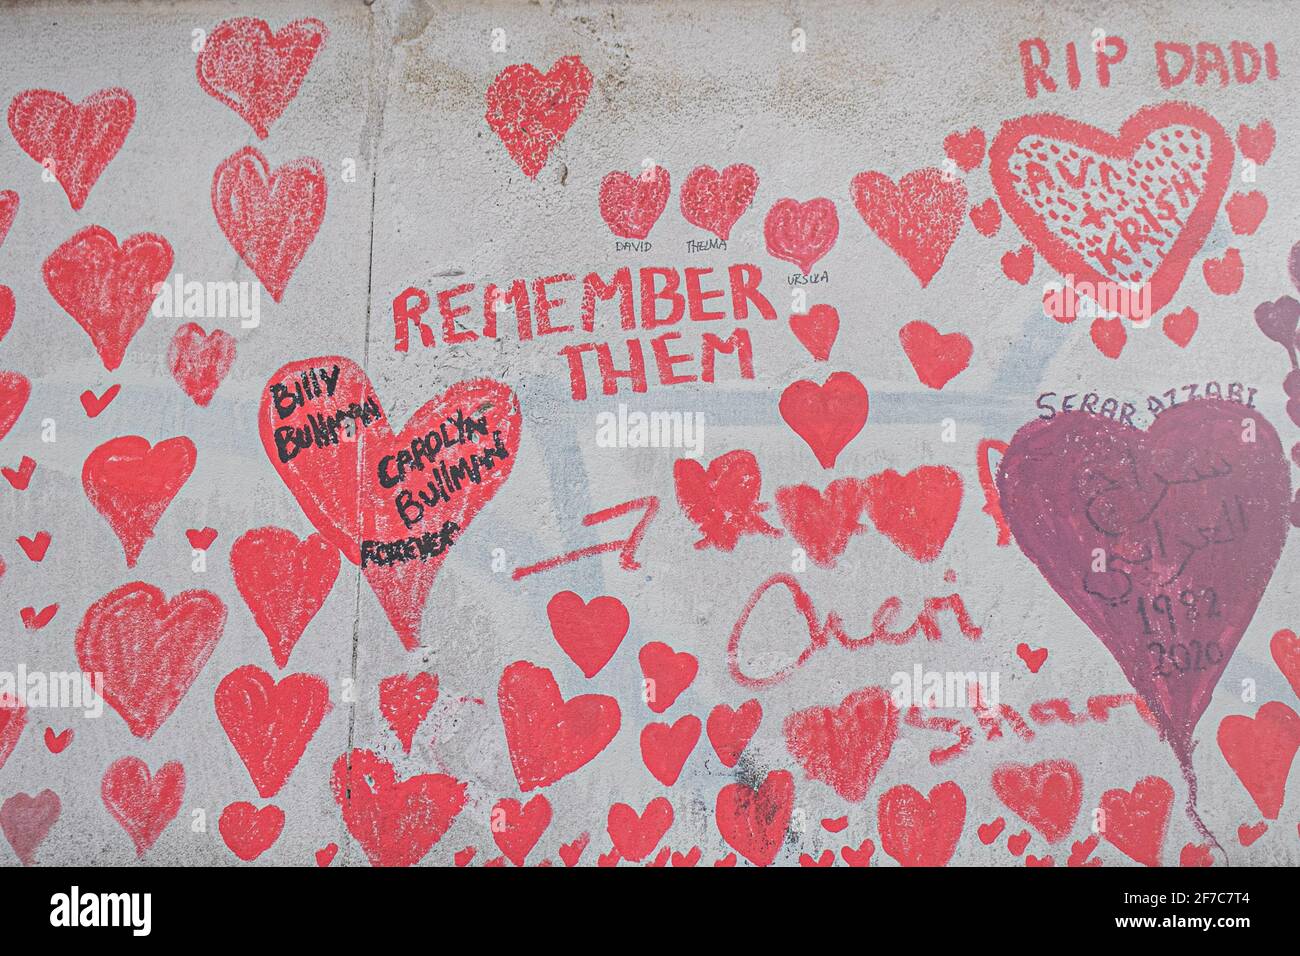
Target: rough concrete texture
{"type": "Point", "coordinates": [397, 93]}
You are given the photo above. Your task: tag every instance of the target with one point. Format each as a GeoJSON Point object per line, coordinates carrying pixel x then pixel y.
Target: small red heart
{"type": "Point", "coordinates": [1016, 844]}
{"type": "Point", "coordinates": [270, 724]}
{"type": "Point", "coordinates": [1260, 750]}
{"type": "Point", "coordinates": [988, 832]}
{"type": "Point", "coordinates": [325, 855]}
{"type": "Point", "coordinates": [250, 831]}
{"type": "Point", "coordinates": [754, 822]}
{"type": "Point", "coordinates": [667, 673]}
{"type": "Point", "coordinates": [986, 218]}
{"type": "Point", "coordinates": [937, 359]}
{"type": "Point", "coordinates": [731, 730]}
{"type": "Point", "coordinates": [919, 829]}
{"type": "Point", "coordinates": [1018, 265]}
{"type": "Point", "coordinates": [635, 835]}
{"type": "Point", "coordinates": [1032, 860]}
{"type": "Point", "coordinates": [715, 201]}
{"type": "Point", "coordinates": [131, 483]}
{"type": "Point", "coordinates": [571, 853]}
{"type": "Point", "coordinates": [823, 522]}
{"type": "Point", "coordinates": [1081, 850]}
{"type": "Point", "coordinates": [1196, 854]}
{"type": "Point", "coordinates": [844, 745]}
{"type": "Point", "coordinates": [1109, 336]}
{"type": "Point", "coordinates": [588, 631]}
{"type": "Point", "coordinates": [201, 540]}
{"type": "Point", "coordinates": [916, 511]}
{"type": "Point", "coordinates": [665, 747]}
{"type": "Point", "coordinates": [828, 416]}
{"type": "Point", "coordinates": [1246, 211]}
{"type": "Point", "coordinates": [1248, 835]}
{"type": "Point", "coordinates": [1033, 659]}
{"type": "Point", "coordinates": [801, 232]}
{"type": "Point", "coordinates": [463, 857]}
{"type": "Point", "coordinates": [74, 141]}
{"type": "Point", "coordinates": [1257, 142]}
{"type": "Point", "coordinates": [690, 859]}
{"type": "Point", "coordinates": [631, 205]}
{"type": "Point", "coordinates": [199, 360]}
{"type": "Point", "coordinates": [608, 859]}
{"type": "Point", "coordinates": [861, 856]}
{"type": "Point", "coordinates": [57, 743]}
{"type": "Point", "coordinates": [496, 861]}
{"type": "Point", "coordinates": [965, 149]}
{"type": "Point", "coordinates": [918, 217]}
{"type": "Point", "coordinates": [33, 621]}
{"type": "Point", "coordinates": [826, 859]}
{"type": "Point", "coordinates": [1224, 275]}
{"type": "Point", "coordinates": [405, 703]}
{"type": "Point", "coordinates": [516, 829]}
{"type": "Point", "coordinates": [835, 825]}
{"type": "Point", "coordinates": [1285, 647]}
{"type": "Point", "coordinates": [1136, 820]}
{"type": "Point", "coordinates": [143, 803]}
{"type": "Point", "coordinates": [22, 475]}
{"type": "Point", "coordinates": [728, 860]}
{"type": "Point", "coordinates": [36, 547]}
{"type": "Point", "coordinates": [94, 404]}
{"type": "Point", "coordinates": [1179, 327]}
{"type": "Point", "coordinates": [816, 330]}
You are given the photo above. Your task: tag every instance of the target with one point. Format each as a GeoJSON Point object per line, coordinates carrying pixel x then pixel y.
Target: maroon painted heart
{"type": "Point", "coordinates": [1161, 541]}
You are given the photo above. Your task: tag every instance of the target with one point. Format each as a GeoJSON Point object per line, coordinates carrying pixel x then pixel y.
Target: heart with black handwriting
{"type": "Point", "coordinates": [1162, 541]}
{"type": "Point", "coordinates": [337, 479]}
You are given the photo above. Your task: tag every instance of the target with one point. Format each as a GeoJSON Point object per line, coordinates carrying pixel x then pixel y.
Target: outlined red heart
{"type": "Point", "coordinates": [73, 141]}
{"type": "Point", "coordinates": [916, 511]}
{"type": "Point", "coordinates": [918, 217]}
{"type": "Point", "coordinates": [722, 500]}
{"type": "Point", "coordinates": [667, 673]}
{"type": "Point", "coordinates": [801, 232]}
{"type": "Point", "coordinates": [516, 829]}
{"type": "Point", "coordinates": [8, 210]}
{"type": "Point", "coordinates": [816, 330]}
{"type": "Point", "coordinates": [199, 360]}
{"type": "Point", "coordinates": [731, 730]}
{"type": "Point", "coordinates": [15, 389]}
{"type": "Point", "coordinates": [405, 701]}
{"type": "Point", "coordinates": [665, 747]}
{"type": "Point", "coordinates": [754, 822]}
{"type": "Point", "coordinates": [1260, 750]}
{"type": "Point", "coordinates": [716, 201]}
{"type": "Point", "coordinates": [269, 216]}
{"type": "Point", "coordinates": [845, 746]}
{"type": "Point", "coordinates": [550, 737]}
{"type": "Point", "coordinates": [1046, 795]}
{"type": "Point", "coordinates": [921, 830]}
{"type": "Point", "coordinates": [143, 803]}
{"type": "Point", "coordinates": [588, 631]}
{"type": "Point", "coordinates": [396, 821]}
{"type": "Point", "coordinates": [821, 522]}
{"type": "Point", "coordinates": [1111, 211]}
{"type": "Point", "coordinates": [131, 484]}
{"type": "Point", "coordinates": [828, 416]}
{"type": "Point", "coordinates": [148, 649]}
{"type": "Point", "coordinates": [26, 821]}
{"type": "Point", "coordinates": [268, 723]}
{"type": "Point", "coordinates": [249, 831]}
{"type": "Point", "coordinates": [937, 359]}
{"type": "Point", "coordinates": [284, 581]}
{"type": "Point", "coordinates": [631, 205]}
{"type": "Point", "coordinates": [1136, 820]}
{"type": "Point", "coordinates": [635, 835]}
{"type": "Point", "coordinates": [255, 72]}
{"type": "Point", "coordinates": [108, 289]}
{"type": "Point", "coordinates": [449, 460]}
{"type": "Point", "coordinates": [531, 111]}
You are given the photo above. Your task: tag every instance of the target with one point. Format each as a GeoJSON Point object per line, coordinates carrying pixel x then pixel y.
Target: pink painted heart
{"type": "Point", "coordinates": [531, 110]}
{"type": "Point", "coordinates": [1162, 542]}
{"type": "Point", "coordinates": [27, 820]}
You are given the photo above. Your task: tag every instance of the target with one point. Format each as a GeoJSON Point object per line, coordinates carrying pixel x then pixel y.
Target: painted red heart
{"type": "Point", "coordinates": [396, 821]}
{"type": "Point", "coordinates": [1223, 276]}
{"type": "Point", "coordinates": [270, 724]}
{"type": "Point", "coordinates": [731, 730]}
{"type": "Point", "coordinates": [827, 858]}
{"type": "Point", "coordinates": [828, 416]}
{"type": "Point", "coordinates": [667, 673]}
{"type": "Point", "coordinates": [108, 289]}
{"type": "Point", "coordinates": [915, 511]}
{"type": "Point", "coordinates": [94, 404]}
{"type": "Point", "coordinates": [284, 582]}
{"type": "Point", "coordinates": [325, 855]}
{"type": "Point", "coordinates": [255, 72]}
{"type": "Point", "coordinates": [754, 822]}
{"type": "Point", "coordinates": [921, 830]}
{"type": "Point", "coordinates": [631, 205]}
{"type": "Point", "coordinates": [822, 522]}
{"type": "Point", "coordinates": [148, 649]}
{"type": "Point", "coordinates": [1109, 336]}
{"type": "Point", "coordinates": [26, 822]}
{"type": "Point", "coordinates": [8, 210]}
{"type": "Point", "coordinates": [635, 835]}
{"type": "Point", "coordinates": [143, 803]}
{"type": "Point", "coordinates": [1016, 844]}
{"type": "Point", "coordinates": [801, 232]}
{"type": "Point", "coordinates": [451, 458]}
{"type": "Point", "coordinates": [532, 111]}
{"type": "Point", "coordinates": [1136, 820]}
{"type": "Point", "coordinates": [13, 718]}
{"type": "Point", "coordinates": [988, 832]}
{"type": "Point", "coordinates": [201, 539]}
{"type": "Point", "coordinates": [1046, 795]}
{"type": "Point", "coordinates": [15, 389]}
{"type": "Point", "coordinates": [199, 360]}
{"type": "Point", "coordinates": [1256, 142]}
{"type": "Point", "coordinates": [588, 631]}
{"type": "Point", "coordinates": [965, 149]}
{"type": "Point", "coordinates": [464, 857]}
{"type": "Point", "coordinates": [7, 304]}
{"type": "Point", "coordinates": [859, 856]}
{"type": "Point", "coordinates": [1163, 156]}
{"type": "Point", "coordinates": [1179, 327]}
{"type": "Point", "coordinates": [549, 737]}
{"type": "Point", "coordinates": [691, 858]}
{"type": "Point", "coordinates": [249, 831]}
{"type": "Point", "coordinates": [715, 201]}
{"type": "Point", "coordinates": [571, 853]}
{"type": "Point", "coordinates": [1196, 854]}
{"type": "Point", "coordinates": [722, 500]}
{"type": "Point", "coordinates": [21, 476]}
{"type": "Point", "coordinates": [1285, 648]}
{"type": "Point", "coordinates": [816, 330]}
{"type": "Point", "coordinates": [405, 702]}
{"type": "Point", "coordinates": [1246, 211]}
{"type": "Point", "coordinates": [517, 829]}
{"type": "Point", "coordinates": [1079, 486]}
{"type": "Point", "coordinates": [57, 743]}
{"type": "Point", "coordinates": [986, 218]}
{"type": "Point", "coordinates": [1034, 659]}
{"type": "Point", "coordinates": [131, 484]}
{"type": "Point", "coordinates": [34, 621]}
{"type": "Point", "coordinates": [846, 745]}
{"type": "Point", "coordinates": [936, 358]}
{"type": "Point", "coordinates": [1260, 750]}
{"type": "Point", "coordinates": [269, 216]}
{"type": "Point", "coordinates": [1082, 850]}
{"type": "Point", "coordinates": [1246, 835]}
{"type": "Point", "coordinates": [73, 141]}
{"type": "Point", "coordinates": [665, 747]}
{"type": "Point", "coordinates": [1018, 264]}
{"type": "Point", "coordinates": [35, 547]}
{"type": "Point", "coordinates": [918, 218]}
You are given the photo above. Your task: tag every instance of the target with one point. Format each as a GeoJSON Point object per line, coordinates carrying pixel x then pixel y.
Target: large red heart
{"type": "Point", "coordinates": [754, 822]}
{"type": "Point", "coordinates": [549, 737]}
{"type": "Point", "coordinates": [715, 201]}
{"type": "Point", "coordinates": [588, 631]}
{"type": "Point", "coordinates": [1136, 821]}
{"type": "Point", "coordinates": [722, 500]}
{"type": "Point", "coordinates": [131, 484]}
{"type": "Point", "coordinates": [270, 724]}
{"type": "Point", "coordinates": [15, 389]}
{"type": "Point", "coordinates": [107, 288]}
{"type": "Point", "coordinates": [631, 205]}
{"type": "Point", "coordinates": [269, 216]}
{"type": "Point", "coordinates": [1260, 750]}
{"type": "Point", "coordinates": [148, 649]}
{"type": "Point", "coordinates": [284, 582]}
{"type": "Point", "coordinates": [917, 510]}
{"type": "Point", "coordinates": [822, 522]}
{"type": "Point", "coordinates": [200, 360]}
{"type": "Point", "coordinates": [27, 820]}
{"type": "Point", "coordinates": [1107, 211]}
{"type": "Point", "coordinates": [917, 830]}
{"type": "Point", "coordinates": [827, 417]}
{"type": "Point", "coordinates": [1162, 542]}
{"type": "Point", "coordinates": [143, 803]}
{"type": "Point", "coordinates": [248, 830]}
{"type": "Point", "coordinates": [919, 217]}
{"type": "Point", "coordinates": [446, 464]}
{"type": "Point", "coordinates": [73, 141]}
{"type": "Point", "coordinates": [801, 232]}
{"type": "Point", "coordinates": [255, 72]}
{"type": "Point", "coordinates": [396, 821]}
{"type": "Point", "coordinates": [1046, 795]}
{"type": "Point", "coordinates": [845, 746]}
{"type": "Point", "coordinates": [516, 829]}
{"type": "Point", "coordinates": [531, 110]}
